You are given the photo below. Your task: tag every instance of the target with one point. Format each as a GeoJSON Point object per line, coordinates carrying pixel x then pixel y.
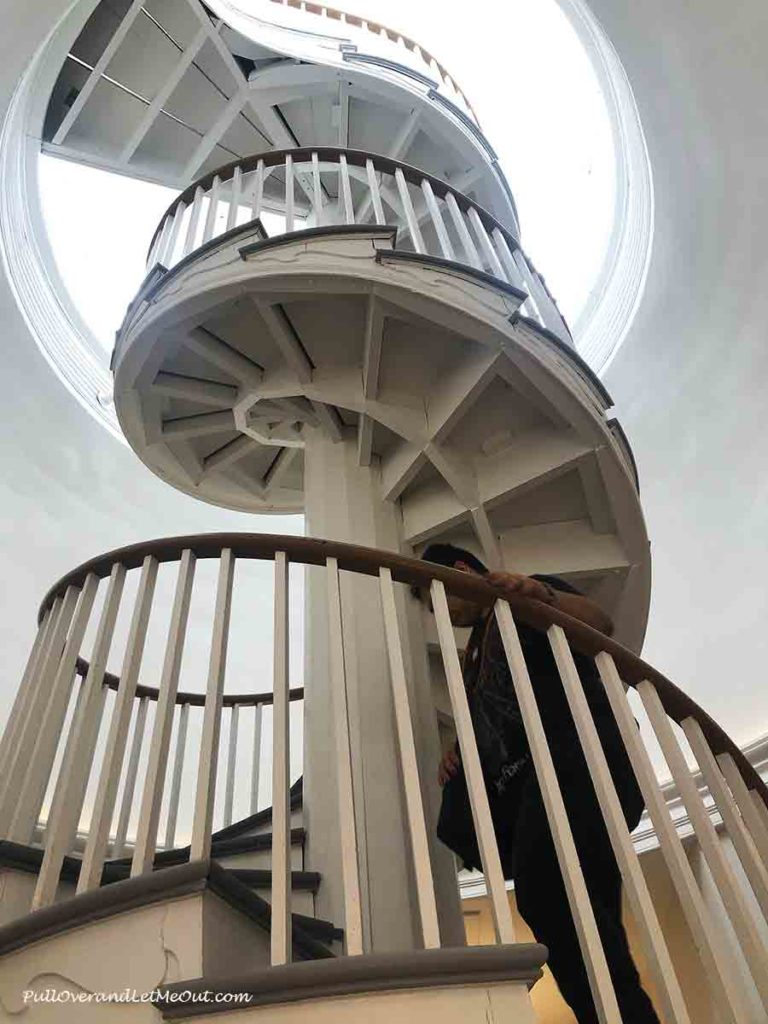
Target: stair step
{"type": "Point", "coordinates": [219, 848]}
{"type": "Point", "coordinates": [305, 945]}
{"type": "Point", "coordinates": [261, 817]}
{"type": "Point", "coordinates": [308, 881]}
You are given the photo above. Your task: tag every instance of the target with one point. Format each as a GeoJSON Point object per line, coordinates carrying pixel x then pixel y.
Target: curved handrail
{"type": "Point", "coordinates": [376, 28]}
{"type": "Point", "coordinates": [193, 699]}
{"type": "Point", "coordinates": [415, 572]}
{"type": "Point", "coordinates": [355, 157]}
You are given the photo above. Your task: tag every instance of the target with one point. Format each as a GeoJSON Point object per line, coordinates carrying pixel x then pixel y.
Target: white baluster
{"type": "Point", "coordinates": [350, 871]}
{"type": "Point", "coordinates": [548, 311]}
{"type": "Point", "coordinates": [748, 807]}
{"type": "Point", "coordinates": [154, 782]}
{"type": "Point", "coordinates": [78, 756]}
{"type": "Point", "coordinates": [289, 193]}
{"type": "Point", "coordinates": [317, 192]}
{"type": "Point", "coordinates": [505, 255]}
{"type": "Point", "coordinates": [754, 867]}
{"type": "Point", "coordinates": [462, 231]}
{"type": "Point", "coordinates": [281, 810]}
{"type": "Point", "coordinates": [258, 191]}
{"type": "Point", "coordinates": [562, 837]}
{"type": "Point", "coordinates": [530, 285]}
{"type": "Point", "coordinates": [213, 207]}
{"type": "Point", "coordinates": [709, 940]}
{"type": "Point", "coordinates": [104, 804]}
{"type": "Point", "coordinates": [178, 768]}
{"type": "Point", "coordinates": [761, 806]}
{"type": "Point", "coordinates": [470, 759]}
{"type": "Point", "coordinates": [409, 212]}
{"type": "Point", "coordinates": [446, 246]}
{"type": "Point", "coordinates": [417, 829]}
{"type": "Point", "coordinates": [234, 199]}
{"type": "Point", "coordinates": [373, 185]}
{"type": "Point", "coordinates": [229, 789]}
{"type": "Point", "coordinates": [346, 190]}
{"type": "Point", "coordinates": [256, 761]}
{"type": "Point", "coordinates": [18, 758]}
{"type": "Point", "coordinates": [209, 744]}
{"type": "Point", "coordinates": [169, 257]}
{"type": "Point", "coordinates": [484, 241]}
{"type": "Point", "coordinates": [24, 695]}
{"type": "Point", "coordinates": [51, 722]}
{"type": "Point", "coordinates": [131, 773]}
{"type": "Point", "coordinates": [629, 863]}
{"type": "Point", "coordinates": [157, 244]}
{"type": "Point", "coordinates": [194, 221]}
{"type": "Point", "coordinates": [731, 892]}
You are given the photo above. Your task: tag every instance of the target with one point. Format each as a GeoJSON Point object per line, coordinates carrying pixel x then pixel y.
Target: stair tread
{"type": "Point", "coordinates": [219, 848]}
{"type": "Point", "coordinates": [258, 909]}
{"type": "Point", "coordinates": [262, 878]}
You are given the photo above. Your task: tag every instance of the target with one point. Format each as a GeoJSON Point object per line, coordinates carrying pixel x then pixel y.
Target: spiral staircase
{"type": "Point", "coordinates": [338, 317]}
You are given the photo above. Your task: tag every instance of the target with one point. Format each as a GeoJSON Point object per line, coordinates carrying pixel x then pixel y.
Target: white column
{"type": "Point", "coordinates": [352, 510]}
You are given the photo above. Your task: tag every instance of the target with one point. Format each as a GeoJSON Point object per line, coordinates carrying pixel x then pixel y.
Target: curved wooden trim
{"type": "Point", "coordinates": [355, 157]}
{"type": "Point", "coordinates": [455, 267]}
{"type": "Point", "coordinates": [374, 27]}
{"type": "Point", "coordinates": [360, 975]}
{"type": "Point", "coordinates": [355, 558]}
{"type": "Point", "coordinates": [570, 353]}
{"type": "Point", "coordinates": [195, 699]}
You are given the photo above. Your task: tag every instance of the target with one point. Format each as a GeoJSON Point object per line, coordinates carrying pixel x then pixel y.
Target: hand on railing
{"type": "Point", "coordinates": [607, 749]}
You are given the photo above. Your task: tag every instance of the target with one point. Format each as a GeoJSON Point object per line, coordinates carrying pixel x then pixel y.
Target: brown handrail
{"type": "Point", "coordinates": [195, 699]}
{"type": "Point", "coordinates": [375, 27]}
{"type": "Point", "coordinates": [356, 157]}
{"type": "Point", "coordinates": [368, 561]}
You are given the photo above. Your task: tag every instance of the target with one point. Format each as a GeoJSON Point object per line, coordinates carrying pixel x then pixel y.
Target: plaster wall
{"type": "Point", "coordinates": [691, 379]}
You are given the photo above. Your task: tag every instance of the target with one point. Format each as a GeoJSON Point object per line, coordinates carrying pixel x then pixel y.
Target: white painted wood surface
{"type": "Point", "coordinates": [667, 984]}
{"type": "Point", "coordinates": [213, 207]}
{"type": "Point", "coordinates": [154, 782]}
{"type": "Point", "coordinates": [281, 760]}
{"type": "Point", "coordinates": [740, 913]}
{"type": "Point", "coordinates": [106, 794]}
{"type": "Point", "coordinates": [131, 773]}
{"type": "Point", "coordinates": [48, 727]}
{"type": "Point", "coordinates": [755, 868]}
{"type": "Point", "coordinates": [409, 212]}
{"type": "Point", "coordinates": [710, 941]}
{"type": "Point", "coordinates": [470, 759]}
{"type": "Point", "coordinates": [229, 787]}
{"type": "Point", "coordinates": [470, 250]}
{"type": "Point", "coordinates": [747, 806]}
{"type": "Point", "coordinates": [178, 767]}
{"type": "Point", "coordinates": [258, 715]}
{"type": "Point", "coordinates": [573, 878]}
{"type": "Point", "coordinates": [417, 827]}
{"type": "Point", "coordinates": [202, 824]}
{"type": "Point", "coordinates": [78, 756]}
{"type": "Point", "coordinates": [353, 923]}
{"type": "Point", "coordinates": [436, 216]}
{"type": "Point", "coordinates": [22, 701]}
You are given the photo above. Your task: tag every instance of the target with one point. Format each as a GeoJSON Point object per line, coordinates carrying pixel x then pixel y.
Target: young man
{"type": "Point", "coordinates": [525, 843]}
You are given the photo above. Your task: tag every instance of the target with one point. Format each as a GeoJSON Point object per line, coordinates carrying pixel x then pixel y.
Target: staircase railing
{"type": "Point", "coordinates": [431, 64]}
{"type": "Point", "coordinates": [315, 188]}
{"type": "Point", "coordinates": [739, 793]}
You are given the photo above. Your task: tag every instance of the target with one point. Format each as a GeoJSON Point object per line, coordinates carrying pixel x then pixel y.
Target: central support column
{"type": "Point", "coordinates": [343, 503]}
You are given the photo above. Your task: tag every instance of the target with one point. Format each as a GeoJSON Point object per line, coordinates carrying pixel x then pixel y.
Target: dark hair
{"type": "Point", "coordinates": [448, 555]}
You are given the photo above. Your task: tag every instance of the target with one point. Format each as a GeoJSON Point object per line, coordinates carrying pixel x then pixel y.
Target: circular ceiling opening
{"type": "Point", "coordinates": [549, 94]}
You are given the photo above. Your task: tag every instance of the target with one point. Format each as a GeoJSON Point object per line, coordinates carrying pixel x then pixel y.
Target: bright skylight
{"type": "Point", "coordinates": [538, 101]}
